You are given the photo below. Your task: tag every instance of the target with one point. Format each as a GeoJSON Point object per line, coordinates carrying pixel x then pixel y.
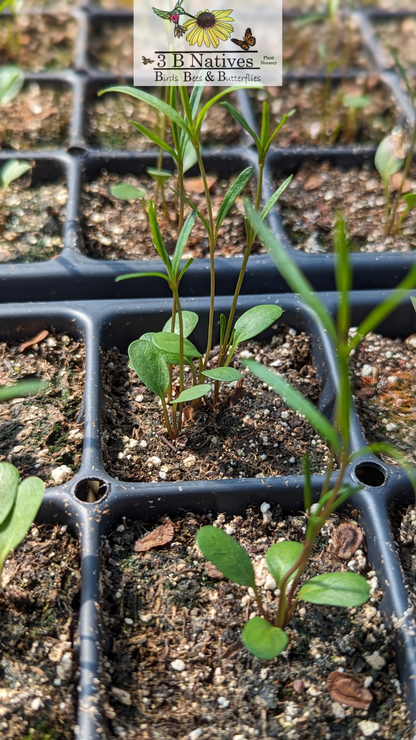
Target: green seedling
{"type": "Point", "coordinates": [391, 157]}
{"type": "Point", "coordinates": [186, 126]}
{"type": "Point", "coordinates": [19, 504]}
{"type": "Point", "coordinates": [11, 171]}
{"type": "Point", "coordinates": [161, 177]}
{"type": "Point", "coordinates": [353, 104]}
{"type": "Point", "coordinates": [265, 636]}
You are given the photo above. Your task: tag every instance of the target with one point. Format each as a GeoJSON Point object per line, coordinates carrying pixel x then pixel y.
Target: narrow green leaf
{"type": "Point", "coordinates": [15, 526]}
{"type": "Point", "coordinates": [274, 198]}
{"type": "Point", "coordinates": [151, 100]}
{"type": "Point", "coordinates": [4, 5]}
{"type": "Point", "coordinates": [182, 241]}
{"type": "Point", "coordinates": [150, 365]}
{"type": "Point", "coordinates": [307, 20]}
{"type": "Point", "coordinates": [161, 143]}
{"type": "Point", "coordinates": [11, 82]}
{"type": "Point", "coordinates": [289, 270]}
{"type": "Point", "coordinates": [265, 124]}
{"type": "Point", "coordinates": [336, 589]}
{"type": "Point", "coordinates": [13, 169]}
{"type": "Point", "coordinates": [158, 239]}
{"type": "Point", "coordinates": [190, 394]}
{"type": "Point", "coordinates": [232, 194]}
{"type": "Point", "coordinates": [413, 302]}
{"type": "Point", "coordinates": [280, 557]}
{"type": "Point", "coordinates": [212, 101]}
{"type": "Point", "coordinates": [189, 322]}
{"type": "Point", "coordinates": [124, 191]}
{"type": "Point", "coordinates": [194, 208]}
{"type": "Point", "coordinates": [9, 483]}
{"type": "Point", "coordinates": [307, 487]}
{"type": "Point", "coordinates": [187, 264]}
{"type": "Point", "coordinates": [402, 74]}
{"type": "Point", "coordinates": [223, 325]}
{"type": "Point", "coordinates": [254, 321]}
{"type": "Point", "coordinates": [119, 278]}
{"type": "Point", "coordinates": [223, 374]}
{"type": "Point", "coordinates": [242, 121]}
{"type": "Point", "coordinates": [262, 639]}
{"type": "Point", "coordinates": [226, 554]}
{"type": "Point", "coordinates": [277, 129]}
{"type": "Point", "coordinates": [21, 389]}
{"type": "Point", "coordinates": [189, 158]}
{"type": "Point", "coordinates": [171, 343]}
{"type": "Point", "coordinates": [296, 401]}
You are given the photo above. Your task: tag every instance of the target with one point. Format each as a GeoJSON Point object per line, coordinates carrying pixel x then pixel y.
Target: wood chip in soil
{"type": "Point", "coordinates": [108, 122]}
{"type": "Point", "coordinates": [259, 436]}
{"type": "Point", "coordinates": [400, 34]}
{"type": "Point", "coordinates": [308, 209]}
{"type": "Point", "coordinates": [39, 605]}
{"type": "Point", "coordinates": [384, 372]}
{"type": "Point", "coordinates": [300, 45]}
{"type": "Point", "coordinates": [38, 118]}
{"type": "Point", "coordinates": [35, 216]}
{"type": "Point", "coordinates": [177, 665]}
{"type": "Point", "coordinates": [307, 127]}
{"type": "Point", "coordinates": [115, 229]}
{"type": "Point", "coordinates": [43, 435]}
{"type": "Point", "coordinates": [111, 47]}
{"type": "Point", "coordinates": [38, 42]}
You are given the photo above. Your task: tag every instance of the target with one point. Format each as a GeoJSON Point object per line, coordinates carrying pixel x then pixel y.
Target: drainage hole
{"type": "Point", "coordinates": [90, 490]}
{"type": "Point", "coordinates": [370, 474]}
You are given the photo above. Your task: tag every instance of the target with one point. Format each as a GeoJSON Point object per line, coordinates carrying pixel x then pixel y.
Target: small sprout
{"type": "Point", "coordinates": [11, 171]}
{"type": "Point", "coordinates": [161, 177]}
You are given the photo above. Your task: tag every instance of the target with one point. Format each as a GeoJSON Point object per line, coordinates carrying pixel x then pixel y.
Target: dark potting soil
{"type": "Point", "coordinates": [342, 41]}
{"type": "Point", "coordinates": [108, 123]}
{"type": "Point", "coordinates": [38, 608]}
{"type": "Point", "coordinates": [43, 435]}
{"type": "Point", "coordinates": [341, 125]}
{"type": "Point", "coordinates": [177, 668]}
{"type": "Point", "coordinates": [384, 376]}
{"type": "Point", "coordinates": [38, 42]}
{"type": "Point", "coordinates": [259, 436]}
{"type": "Point", "coordinates": [33, 229]}
{"type": "Point", "coordinates": [308, 209]}
{"type": "Point", "coordinates": [400, 35]}
{"type": "Point", "coordinates": [116, 229]}
{"type": "Point", "coordinates": [38, 118]}
{"type": "Point", "coordinates": [111, 47]}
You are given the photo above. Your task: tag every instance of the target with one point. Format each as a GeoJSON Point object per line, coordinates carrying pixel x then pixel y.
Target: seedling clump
{"type": "Point", "coordinates": [287, 561]}
{"type": "Point", "coordinates": [11, 171]}
{"type": "Point", "coordinates": [154, 354]}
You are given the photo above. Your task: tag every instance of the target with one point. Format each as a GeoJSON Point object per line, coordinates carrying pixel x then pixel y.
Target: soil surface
{"type": "Point", "coordinates": [38, 42]}
{"type": "Point", "coordinates": [177, 668]}
{"type": "Point", "coordinates": [342, 41]}
{"type": "Point", "coordinates": [341, 125]}
{"type": "Point", "coordinates": [400, 35]}
{"type": "Point", "coordinates": [33, 229]}
{"type": "Point", "coordinates": [116, 229]}
{"type": "Point", "coordinates": [43, 435]}
{"type": "Point", "coordinates": [38, 608]}
{"type": "Point", "coordinates": [111, 47]}
{"type": "Point", "coordinates": [38, 118]}
{"type": "Point", "coordinates": [384, 372]}
{"type": "Point", "coordinates": [108, 122]}
{"type": "Point", "coordinates": [308, 207]}
{"type": "Point", "coordinates": [259, 436]}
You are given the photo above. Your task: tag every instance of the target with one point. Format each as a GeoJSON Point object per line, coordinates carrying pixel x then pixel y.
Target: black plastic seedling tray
{"type": "Point", "coordinates": [74, 275]}
{"type": "Point", "coordinates": [103, 326]}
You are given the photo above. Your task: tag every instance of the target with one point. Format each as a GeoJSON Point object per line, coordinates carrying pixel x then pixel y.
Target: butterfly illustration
{"type": "Point", "coordinates": [173, 16]}
{"type": "Point", "coordinates": [147, 61]}
{"type": "Point", "coordinates": [248, 41]}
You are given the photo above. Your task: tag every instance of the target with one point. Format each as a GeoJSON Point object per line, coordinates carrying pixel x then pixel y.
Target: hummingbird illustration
{"type": "Point", "coordinates": [173, 16]}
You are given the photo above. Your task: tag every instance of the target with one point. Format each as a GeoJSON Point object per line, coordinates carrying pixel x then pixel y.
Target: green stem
{"type": "Point", "coordinates": [212, 244]}
{"type": "Point", "coordinates": [166, 416]}
{"type": "Point", "coordinates": [409, 159]}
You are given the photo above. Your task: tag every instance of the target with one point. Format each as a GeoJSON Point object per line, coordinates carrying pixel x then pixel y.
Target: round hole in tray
{"type": "Point", "coordinates": [370, 474]}
{"type": "Point", "coordinates": [91, 490]}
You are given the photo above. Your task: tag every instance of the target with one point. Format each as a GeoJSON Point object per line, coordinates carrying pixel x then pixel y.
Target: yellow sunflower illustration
{"type": "Point", "coordinates": [209, 27]}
